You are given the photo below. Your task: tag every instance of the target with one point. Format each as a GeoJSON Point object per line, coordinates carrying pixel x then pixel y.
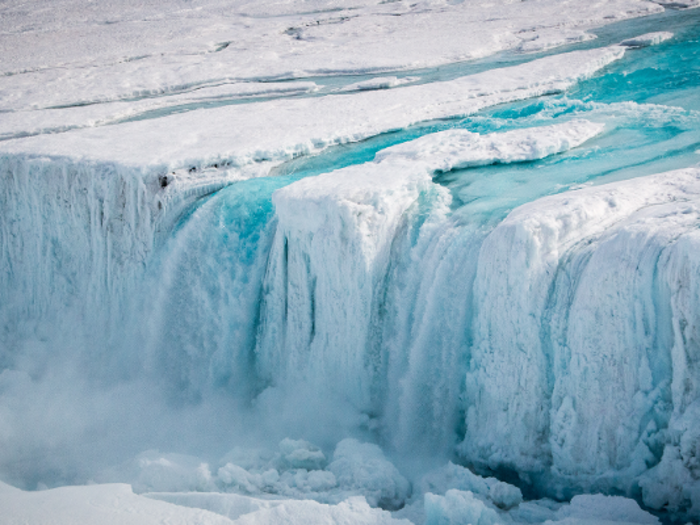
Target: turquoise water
{"type": "Point", "coordinates": [649, 102]}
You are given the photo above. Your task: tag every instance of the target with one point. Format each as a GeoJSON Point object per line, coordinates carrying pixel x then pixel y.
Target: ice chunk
{"type": "Point", "coordinates": [648, 39]}
{"type": "Point", "coordinates": [684, 4]}
{"type": "Point", "coordinates": [457, 148]}
{"type": "Point", "coordinates": [452, 476]}
{"type": "Point", "coordinates": [325, 276]}
{"type": "Point", "coordinates": [596, 507]}
{"type": "Point", "coordinates": [153, 471]}
{"type": "Point", "coordinates": [540, 40]}
{"type": "Point", "coordinates": [289, 512]}
{"type": "Point", "coordinates": [585, 313]}
{"type": "Point", "coordinates": [364, 468]}
{"type": "Point", "coordinates": [457, 507]}
{"type": "Point", "coordinates": [240, 479]}
{"type": "Point", "coordinates": [379, 83]}
{"type": "Point", "coordinates": [301, 454]}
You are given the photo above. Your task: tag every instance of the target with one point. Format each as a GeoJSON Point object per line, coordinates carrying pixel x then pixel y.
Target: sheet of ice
{"type": "Point", "coordinates": [279, 130]}
{"type": "Point", "coordinates": [29, 122]}
{"type": "Point", "coordinates": [459, 149]}
{"type": "Point", "coordinates": [214, 41]}
{"type": "Point", "coordinates": [105, 504]}
{"type": "Point", "coordinates": [649, 39]}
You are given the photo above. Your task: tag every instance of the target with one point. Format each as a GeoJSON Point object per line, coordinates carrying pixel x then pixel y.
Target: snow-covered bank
{"type": "Point", "coordinates": [187, 46]}
{"type": "Point", "coordinates": [283, 129]}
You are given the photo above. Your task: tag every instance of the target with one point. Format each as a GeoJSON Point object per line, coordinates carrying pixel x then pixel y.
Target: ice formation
{"type": "Point", "coordinates": [303, 262]}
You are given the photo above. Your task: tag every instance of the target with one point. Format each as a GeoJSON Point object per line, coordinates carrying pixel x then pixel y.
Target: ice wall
{"type": "Point", "coordinates": [558, 344]}
{"type": "Point", "coordinates": [325, 281]}
{"type": "Point", "coordinates": [73, 235]}
{"type": "Point", "coordinates": [583, 337]}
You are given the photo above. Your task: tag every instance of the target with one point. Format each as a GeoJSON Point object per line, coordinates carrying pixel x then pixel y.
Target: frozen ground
{"type": "Point", "coordinates": [318, 261]}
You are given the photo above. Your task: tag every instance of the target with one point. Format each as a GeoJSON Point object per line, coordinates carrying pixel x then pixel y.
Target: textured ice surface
{"type": "Point", "coordinates": [282, 129]}
{"type": "Point", "coordinates": [599, 272]}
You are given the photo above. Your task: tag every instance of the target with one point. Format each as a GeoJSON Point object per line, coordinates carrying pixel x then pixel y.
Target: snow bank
{"type": "Point", "coordinates": [353, 510]}
{"type": "Point", "coordinates": [187, 47]}
{"type": "Point", "coordinates": [104, 504]}
{"type": "Point", "coordinates": [279, 130]}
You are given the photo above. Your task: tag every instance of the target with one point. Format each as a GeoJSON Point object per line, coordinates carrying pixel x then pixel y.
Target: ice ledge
{"type": "Point", "coordinates": [458, 149]}
{"type": "Point", "coordinates": [281, 130]}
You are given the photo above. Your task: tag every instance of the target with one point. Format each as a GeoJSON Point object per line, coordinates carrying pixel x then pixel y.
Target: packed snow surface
{"type": "Point", "coordinates": [368, 262]}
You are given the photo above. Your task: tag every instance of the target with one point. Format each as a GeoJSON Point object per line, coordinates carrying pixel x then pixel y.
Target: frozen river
{"type": "Point", "coordinates": [336, 262]}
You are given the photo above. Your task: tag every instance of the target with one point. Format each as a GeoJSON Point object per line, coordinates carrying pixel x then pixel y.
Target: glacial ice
{"type": "Point", "coordinates": [307, 347]}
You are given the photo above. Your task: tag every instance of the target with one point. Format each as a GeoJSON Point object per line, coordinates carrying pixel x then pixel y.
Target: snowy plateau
{"type": "Point", "coordinates": [429, 262]}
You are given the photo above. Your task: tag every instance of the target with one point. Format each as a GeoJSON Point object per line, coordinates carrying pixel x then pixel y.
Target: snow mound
{"type": "Point", "coordinates": [363, 467]}
{"type": "Point", "coordinates": [453, 476]}
{"type": "Point", "coordinates": [457, 507]}
{"type": "Point", "coordinates": [597, 507]}
{"type": "Point", "coordinates": [113, 504]}
{"type": "Point", "coordinates": [353, 510]}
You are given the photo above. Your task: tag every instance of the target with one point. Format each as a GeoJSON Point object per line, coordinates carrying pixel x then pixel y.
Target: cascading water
{"type": "Point", "coordinates": [494, 310]}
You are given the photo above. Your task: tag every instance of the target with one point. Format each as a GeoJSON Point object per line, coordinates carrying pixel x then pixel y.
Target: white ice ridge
{"type": "Point", "coordinates": [584, 362]}
{"type": "Point", "coordinates": [282, 129]}
{"type": "Point", "coordinates": [216, 41]}
{"type": "Point", "coordinates": [648, 39]}
{"type": "Point", "coordinates": [458, 148]}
